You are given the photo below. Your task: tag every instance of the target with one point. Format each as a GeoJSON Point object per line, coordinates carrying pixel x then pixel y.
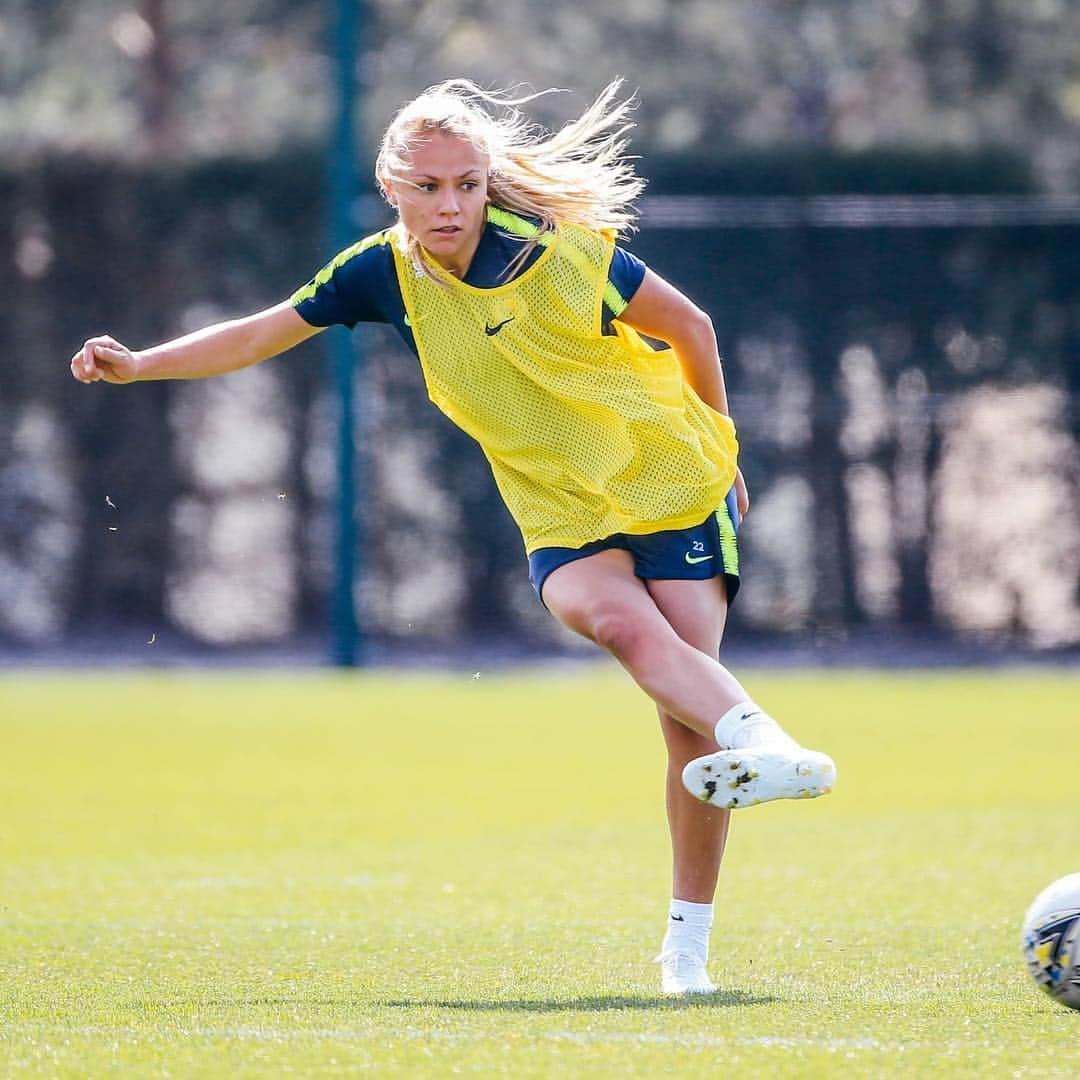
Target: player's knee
{"type": "Point", "coordinates": [619, 633]}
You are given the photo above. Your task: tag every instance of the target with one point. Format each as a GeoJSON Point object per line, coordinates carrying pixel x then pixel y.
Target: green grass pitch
{"type": "Point", "coordinates": [429, 875]}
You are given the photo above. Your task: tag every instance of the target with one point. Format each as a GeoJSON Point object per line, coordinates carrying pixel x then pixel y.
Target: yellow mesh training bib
{"type": "Point", "coordinates": [587, 434]}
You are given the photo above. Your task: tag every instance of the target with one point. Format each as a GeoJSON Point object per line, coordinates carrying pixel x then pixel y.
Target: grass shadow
{"type": "Point", "coordinates": [722, 999]}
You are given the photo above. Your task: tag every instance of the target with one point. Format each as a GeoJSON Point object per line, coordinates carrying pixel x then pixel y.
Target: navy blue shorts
{"type": "Point", "coordinates": [695, 554]}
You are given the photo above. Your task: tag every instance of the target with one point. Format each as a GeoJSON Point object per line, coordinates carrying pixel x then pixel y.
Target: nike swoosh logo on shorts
{"type": "Point", "coordinates": [694, 560]}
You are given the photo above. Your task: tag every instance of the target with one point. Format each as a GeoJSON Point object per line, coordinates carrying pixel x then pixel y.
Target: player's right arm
{"type": "Point", "coordinates": [214, 350]}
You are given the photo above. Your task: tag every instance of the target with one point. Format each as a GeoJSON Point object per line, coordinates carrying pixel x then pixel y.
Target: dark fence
{"type": "Point", "coordinates": [904, 373]}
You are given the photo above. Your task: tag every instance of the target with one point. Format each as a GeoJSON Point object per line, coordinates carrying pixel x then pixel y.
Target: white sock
{"type": "Point", "coordinates": [746, 724]}
{"type": "Point", "coordinates": [688, 928]}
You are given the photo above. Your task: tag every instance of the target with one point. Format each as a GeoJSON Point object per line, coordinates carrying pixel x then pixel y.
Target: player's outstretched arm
{"type": "Point", "coordinates": [214, 350]}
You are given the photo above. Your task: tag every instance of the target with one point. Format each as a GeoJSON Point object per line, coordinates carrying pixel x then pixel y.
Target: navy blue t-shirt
{"type": "Point", "coordinates": [362, 284]}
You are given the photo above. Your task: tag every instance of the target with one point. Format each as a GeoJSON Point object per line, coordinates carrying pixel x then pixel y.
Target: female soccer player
{"type": "Point", "coordinates": [617, 460]}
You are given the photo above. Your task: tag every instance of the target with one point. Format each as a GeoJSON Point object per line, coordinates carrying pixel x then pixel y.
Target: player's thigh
{"type": "Point", "coordinates": [695, 610]}
{"type": "Point", "coordinates": [601, 598]}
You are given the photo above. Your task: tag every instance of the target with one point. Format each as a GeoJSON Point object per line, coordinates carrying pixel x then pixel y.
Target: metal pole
{"type": "Point", "coordinates": [344, 352]}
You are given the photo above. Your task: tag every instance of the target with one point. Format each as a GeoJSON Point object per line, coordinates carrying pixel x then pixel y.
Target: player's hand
{"type": "Point", "coordinates": [742, 494]}
{"type": "Point", "coordinates": [104, 358]}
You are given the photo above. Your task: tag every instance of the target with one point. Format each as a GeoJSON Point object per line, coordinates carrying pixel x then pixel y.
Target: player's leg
{"type": "Point", "coordinates": [760, 761]}
{"type": "Point", "coordinates": [697, 611]}
{"type": "Point", "coordinates": [601, 596]}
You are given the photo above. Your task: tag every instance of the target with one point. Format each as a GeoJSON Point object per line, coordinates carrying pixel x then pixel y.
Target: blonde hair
{"type": "Point", "coordinates": [578, 175]}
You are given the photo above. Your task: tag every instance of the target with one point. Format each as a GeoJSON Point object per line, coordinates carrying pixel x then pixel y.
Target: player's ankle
{"type": "Point", "coordinates": [747, 724]}
{"type": "Point", "coordinates": [688, 928]}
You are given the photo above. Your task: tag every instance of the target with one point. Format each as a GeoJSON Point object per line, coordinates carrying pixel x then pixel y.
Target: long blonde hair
{"type": "Point", "coordinates": [578, 175]}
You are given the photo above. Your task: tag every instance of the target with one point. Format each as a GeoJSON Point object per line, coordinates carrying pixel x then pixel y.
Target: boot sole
{"type": "Point", "coordinates": [733, 779]}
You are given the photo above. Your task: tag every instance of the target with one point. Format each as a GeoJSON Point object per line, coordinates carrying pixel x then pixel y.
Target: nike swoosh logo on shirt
{"type": "Point", "coordinates": [693, 560]}
{"type": "Point", "coordinates": [491, 331]}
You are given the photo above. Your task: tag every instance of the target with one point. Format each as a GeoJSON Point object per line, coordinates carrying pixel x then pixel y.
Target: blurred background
{"type": "Point", "coordinates": [878, 201]}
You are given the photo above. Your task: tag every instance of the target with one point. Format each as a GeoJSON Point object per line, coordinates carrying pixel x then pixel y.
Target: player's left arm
{"type": "Point", "coordinates": [659, 310]}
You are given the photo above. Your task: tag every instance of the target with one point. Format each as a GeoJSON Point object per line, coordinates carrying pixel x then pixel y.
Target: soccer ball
{"type": "Point", "coordinates": [1051, 940]}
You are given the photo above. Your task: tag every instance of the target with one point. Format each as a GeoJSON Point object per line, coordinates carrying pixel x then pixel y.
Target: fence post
{"type": "Point", "coordinates": [344, 352]}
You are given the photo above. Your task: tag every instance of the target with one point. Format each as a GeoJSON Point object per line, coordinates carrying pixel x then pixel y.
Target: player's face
{"type": "Point", "coordinates": [442, 198]}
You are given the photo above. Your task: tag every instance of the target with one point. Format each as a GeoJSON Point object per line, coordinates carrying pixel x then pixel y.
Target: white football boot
{"type": "Point", "coordinates": [684, 973]}
{"type": "Point", "coordinates": [732, 779]}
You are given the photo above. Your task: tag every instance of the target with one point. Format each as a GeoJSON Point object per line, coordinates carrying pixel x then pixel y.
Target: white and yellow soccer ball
{"type": "Point", "coordinates": [1051, 940]}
